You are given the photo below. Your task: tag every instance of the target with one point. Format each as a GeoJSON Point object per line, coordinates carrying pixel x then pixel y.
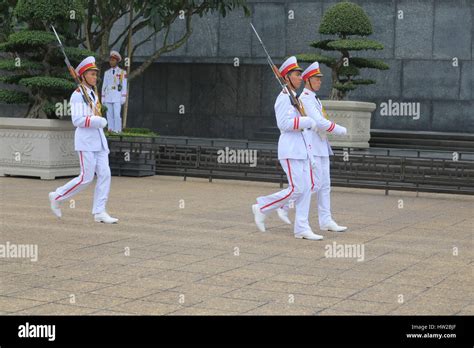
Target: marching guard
{"type": "Point", "coordinates": [91, 145]}
{"type": "Point", "coordinates": [294, 158]}
{"type": "Point", "coordinates": [321, 147]}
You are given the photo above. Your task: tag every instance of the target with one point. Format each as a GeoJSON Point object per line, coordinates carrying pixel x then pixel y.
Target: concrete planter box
{"type": "Point", "coordinates": [353, 115]}
{"type": "Point", "coordinates": [37, 147]}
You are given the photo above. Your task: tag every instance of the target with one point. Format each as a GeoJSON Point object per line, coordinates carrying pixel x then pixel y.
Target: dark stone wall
{"type": "Point", "coordinates": [221, 100]}
{"type": "Point", "coordinates": [225, 101]}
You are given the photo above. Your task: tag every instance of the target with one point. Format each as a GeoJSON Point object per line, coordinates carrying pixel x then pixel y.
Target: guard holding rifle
{"type": "Point", "coordinates": [294, 156]}
{"type": "Point", "coordinates": [321, 147]}
{"type": "Point", "coordinates": [89, 142]}
{"type": "Point", "coordinates": [114, 92]}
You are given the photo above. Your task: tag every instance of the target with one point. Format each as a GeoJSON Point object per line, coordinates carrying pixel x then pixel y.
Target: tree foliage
{"type": "Point", "coordinates": [350, 24]}
{"type": "Point", "coordinates": [31, 60]}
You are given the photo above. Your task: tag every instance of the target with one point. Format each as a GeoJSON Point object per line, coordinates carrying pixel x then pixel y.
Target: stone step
{"type": "Point", "coordinates": [399, 139]}
{"type": "Point", "coordinates": [422, 140]}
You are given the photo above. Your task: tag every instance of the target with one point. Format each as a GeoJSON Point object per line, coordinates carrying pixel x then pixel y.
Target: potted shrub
{"type": "Point", "coordinates": [42, 143]}
{"type": "Point", "coordinates": [349, 25]}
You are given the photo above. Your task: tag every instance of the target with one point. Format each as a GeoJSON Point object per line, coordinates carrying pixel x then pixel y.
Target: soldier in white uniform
{"type": "Point", "coordinates": [321, 147]}
{"type": "Point", "coordinates": [293, 156]}
{"type": "Point", "coordinates": [91, 145]}
{"type": "Point", "coordinates": [114, 92]}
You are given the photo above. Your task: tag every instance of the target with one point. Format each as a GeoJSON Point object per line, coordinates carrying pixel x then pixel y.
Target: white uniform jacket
{"type": "Point", "coordinates": [89, 135]}
{"type": "Point", "coordinates": [291, 144]}
{"type": "Point", "coordinates": [313, 108]}
{"type": "Point", "coordinates": [110, 87]}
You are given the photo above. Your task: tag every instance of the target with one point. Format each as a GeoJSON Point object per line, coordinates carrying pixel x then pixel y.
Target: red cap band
{"type": "Point", "coordinates": [288, 68]}
{"type": "Point", "coordinates": [311, 73]}
{"type": "Point", "coordinates": [87, 67]}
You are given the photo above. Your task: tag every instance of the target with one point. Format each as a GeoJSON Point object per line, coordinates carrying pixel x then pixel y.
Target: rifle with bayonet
{"type": "Point", "coordinates": [77, 79]}
{"type": "Point", "coordinates": [284, 86]}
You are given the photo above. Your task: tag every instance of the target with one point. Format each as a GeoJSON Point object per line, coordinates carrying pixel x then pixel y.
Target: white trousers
{"type": "Point", "coordinates": [114, 118]}
{"type": "Point", "coordinates": [321, 185]}
{"type": "Point", "coordinates": [92, 162]}
{"type": "Point", "coordinates": [322, 188]}
{"type": "Point", "coordinates": [300, 179]}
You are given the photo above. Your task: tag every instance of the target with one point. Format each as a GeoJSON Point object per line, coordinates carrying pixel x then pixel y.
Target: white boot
{"type": "Point", "coordinates": [105, 218]}
{"type": "Point", "coordinates": [55, 204]}
{"type": "Point", "coordinates": [308, 235]}
{"type": "Point", "coordinates": [283, 215]}
{"type": "Point", "coordinates": [259, 217]}
{"type": "Point", "coordinates": [334, 227]}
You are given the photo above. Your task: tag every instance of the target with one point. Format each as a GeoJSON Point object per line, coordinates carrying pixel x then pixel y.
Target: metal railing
{"type": "Point", "coordinates": [387, 169]}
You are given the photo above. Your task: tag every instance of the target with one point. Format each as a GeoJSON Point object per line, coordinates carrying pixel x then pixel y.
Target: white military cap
{"type": "Point", "coordinates": [289, 65]}
{"type": "Point", "coordinates": [116, 55]}
{"type": "Point", "coordinates": [87, 64]}
{"type": "Point", "coordinates": [312, 70]}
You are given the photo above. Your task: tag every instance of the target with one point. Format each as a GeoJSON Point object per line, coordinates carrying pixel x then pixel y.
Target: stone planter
{"type": "Point", "coordinates": [353, 115]}
{"type": "Point", "coordinates": [37, 147]}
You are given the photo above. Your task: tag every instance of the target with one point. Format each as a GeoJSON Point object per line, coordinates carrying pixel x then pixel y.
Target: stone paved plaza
{"type": "Point", "coordinates": [191, 247]}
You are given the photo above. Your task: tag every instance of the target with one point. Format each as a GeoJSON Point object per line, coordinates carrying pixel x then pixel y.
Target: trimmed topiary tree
{"type": "Point", "coordinates": [31, 58]}
{"type": "Point", "coordinates": [345, 20]}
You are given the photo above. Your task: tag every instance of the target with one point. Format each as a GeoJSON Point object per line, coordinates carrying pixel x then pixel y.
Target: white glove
{"type": "Point", "coordinates": [312, 123]}
{"type": "Point", "coordinates": [122, 100]}
{"type": "Point", "coordinates": [103, 122]}
{"type": "Point", "coordinates": [306, 123]}
{"type": "Point", "coordinates": [343, 130]}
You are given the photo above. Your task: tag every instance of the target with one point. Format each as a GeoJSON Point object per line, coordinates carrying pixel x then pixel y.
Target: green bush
{"type": "Point", "coordinates": [49, 10]}
{"type": "Point", "coordinates": [13, 79]}
{"type": "Point", "coordinates": [13, 97]}
{"type": "Point", "coordinates": [138, 130]}
{"type": "Point", "coordinates": [24, 64]}
{"type": "Point", "coordinates": [49, 83]}
{"type": "Point", "coordinates": [345, 20]}
{"type": "Point", "coordinates": [32, 55]}
{"type": "Point", "coordinates": [75, 55]}
{"type": "Point", "coordinates": [49, 108]}
{"type": "Point", "coordinates": [134, 132]}
{"type": "Point", "coordinates": [27, 39]}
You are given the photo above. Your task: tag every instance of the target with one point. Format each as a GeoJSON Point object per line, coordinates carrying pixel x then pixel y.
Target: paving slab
{"type": "Point", "coordinates": [191, 248]}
